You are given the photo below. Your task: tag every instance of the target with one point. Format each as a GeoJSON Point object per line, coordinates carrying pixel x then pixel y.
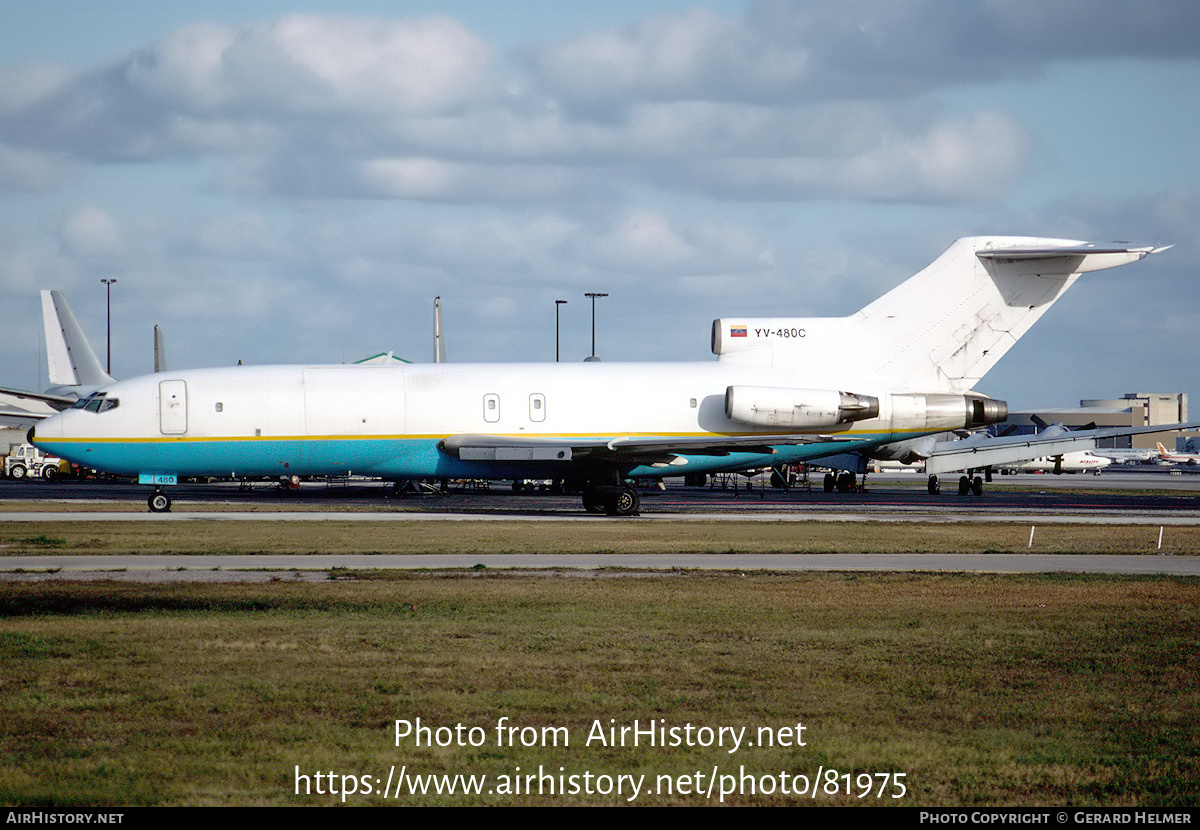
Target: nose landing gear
{"type": "Point", "coordinates": [159, 502]}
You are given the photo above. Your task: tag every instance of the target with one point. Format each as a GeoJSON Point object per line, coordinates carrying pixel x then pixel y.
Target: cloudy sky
{"type": "Point", "coordinates": [295, 181]}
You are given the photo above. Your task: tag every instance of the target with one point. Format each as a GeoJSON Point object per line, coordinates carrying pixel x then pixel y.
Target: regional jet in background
{"type": "Point", "coordinates": [74, 370]}
{"type": "Point", "coordinates": [1165, 457]}
{"type": "Point", "coordinates": [1067, 462]}
{"type": "Point", "coordinates": [782, 391]}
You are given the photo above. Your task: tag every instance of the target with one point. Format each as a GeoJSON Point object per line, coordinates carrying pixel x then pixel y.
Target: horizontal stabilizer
{"type": "Point", "coordinates": [36, 404]}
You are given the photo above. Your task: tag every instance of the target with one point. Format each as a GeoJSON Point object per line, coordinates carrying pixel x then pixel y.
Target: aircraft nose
{"type": "Point", "coordinates": [45, 429]}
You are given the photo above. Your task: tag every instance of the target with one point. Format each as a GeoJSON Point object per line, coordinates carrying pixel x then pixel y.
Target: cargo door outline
{"type": "Point", "coordinates": [172, 407]}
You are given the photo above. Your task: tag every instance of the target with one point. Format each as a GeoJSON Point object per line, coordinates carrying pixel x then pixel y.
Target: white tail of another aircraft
{"type": "Point", "coordinates": [939, 331]}
{"type": "Point", "coordinates": [69, 356]}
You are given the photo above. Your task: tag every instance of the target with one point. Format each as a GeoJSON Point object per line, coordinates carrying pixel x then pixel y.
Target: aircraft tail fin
{"type": "Point", "coordinates": [943, 328]}
{"type": "Point", "coordinates": [69, 356]}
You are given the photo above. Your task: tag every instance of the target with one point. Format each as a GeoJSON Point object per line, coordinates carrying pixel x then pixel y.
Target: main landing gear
{"type": "Point", "coordinates": [843, 482]}
{"type": "Point", "coordinates": [968, 485]}
{"type": "Point", "coordinates": [620, 500]}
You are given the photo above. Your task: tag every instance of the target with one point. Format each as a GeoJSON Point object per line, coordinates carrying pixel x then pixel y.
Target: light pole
{"type": "Point", "coordinates": [557, 305]}
{"type": "Point", "coordinates": [593, 295]}
{"type": "Point", "coordinates": [108, 284]}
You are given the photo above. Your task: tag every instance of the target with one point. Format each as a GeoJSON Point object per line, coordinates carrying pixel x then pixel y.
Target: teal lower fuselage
{"type": "Point", "coordinates": [388, 458]}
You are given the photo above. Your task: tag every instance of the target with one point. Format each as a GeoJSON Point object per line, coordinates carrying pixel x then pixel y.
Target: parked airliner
{"type": "Point", "coordinates": [1166, 457]}
{"type": "Point", "coordinates": [73, 367]}
{"type": "Point", "coordinates": [782, 390]}
{"type": "Point", "coordinates": [1067, 462]}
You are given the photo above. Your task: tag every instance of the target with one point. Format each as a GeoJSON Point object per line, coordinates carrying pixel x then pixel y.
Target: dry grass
{"type": "Point", "coordinates": [983, 690]}
{"type": "Point", "coordinates": [632, 536]}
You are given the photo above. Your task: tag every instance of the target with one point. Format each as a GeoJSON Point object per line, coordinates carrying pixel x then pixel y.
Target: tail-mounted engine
{"type": "Point", "coordinates": [943, 411]}
{"type": "Point", "coordinates": [770, 406]}
{"type": "Point", "coordinates": [788, 408]}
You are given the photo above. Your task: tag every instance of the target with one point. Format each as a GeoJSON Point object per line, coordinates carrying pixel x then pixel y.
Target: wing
{"type": "Point", "coordinates": [655, 451]}
{"type": "Point", "coordinates": [21, 408]}
{"type": "Point", "coordinates": [1013, 449]}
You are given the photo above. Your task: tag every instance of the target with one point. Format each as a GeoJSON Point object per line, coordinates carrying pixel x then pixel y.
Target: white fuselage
{"type": "Point", "coordinates": [389, 420]}
{"type": "Point", "coordinates": [1070, 462]}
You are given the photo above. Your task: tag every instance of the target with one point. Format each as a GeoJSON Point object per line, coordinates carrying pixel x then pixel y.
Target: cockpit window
{"type": "Point", "coordinates": [96, 402]}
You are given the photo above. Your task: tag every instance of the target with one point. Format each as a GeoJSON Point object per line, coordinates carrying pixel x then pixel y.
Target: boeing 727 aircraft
{"type": "Point", "coordinates": [782, 390]}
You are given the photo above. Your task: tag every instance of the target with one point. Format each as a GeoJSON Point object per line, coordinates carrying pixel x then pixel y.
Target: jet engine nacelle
{"type": "Point", "coordinates": [908, 452]}
{"type": "Point", "coordinates": [944, 412]}
{"type": "Point", "coordinates": [772, 406]}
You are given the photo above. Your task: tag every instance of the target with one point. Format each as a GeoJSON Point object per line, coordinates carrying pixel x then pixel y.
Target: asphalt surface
{"type": "Point", "coordinates": [1157, 498]}
{"type": "Point", "coordinates": [1129, 497]}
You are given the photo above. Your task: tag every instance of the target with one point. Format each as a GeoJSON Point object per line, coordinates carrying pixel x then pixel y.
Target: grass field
{"type": "Point", "coordinates": [625, 536]}
{"type": "Point", "coordinates": [960, 689]}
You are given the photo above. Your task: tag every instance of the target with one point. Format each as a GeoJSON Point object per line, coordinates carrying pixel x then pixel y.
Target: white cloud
{"type": "Point", "coordinates": [334, 107]}
{"type": "Point", "coordinates": [310, 65]}
{"type": "Point", "coordinates": [694, 55]}
{"type": "Point", "coordinates": [90, 232]}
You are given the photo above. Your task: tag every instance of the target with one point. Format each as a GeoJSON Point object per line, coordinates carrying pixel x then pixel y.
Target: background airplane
{"type": "Point", "coordinates": [1067, 462]}
{"type": "Point", "coordinates": [1166, 457]}
{"type": "Point", "coordinates": [979, 452]}
{"type": "Point", "coordinates": [73, 368]}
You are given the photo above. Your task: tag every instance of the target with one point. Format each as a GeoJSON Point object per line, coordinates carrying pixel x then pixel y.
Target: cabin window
{"type": "Point", "coordinates": [537, 407]}
{"type": "Point", "coordinates": [692, 403]}
{"type": "Point", "coordinates": [220, 407]}
{"type": "Point", "coordinates": [491, 408]}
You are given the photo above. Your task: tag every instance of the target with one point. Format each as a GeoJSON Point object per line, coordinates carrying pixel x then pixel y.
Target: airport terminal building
{"type": "Point", "coordinates": [1135, 409]}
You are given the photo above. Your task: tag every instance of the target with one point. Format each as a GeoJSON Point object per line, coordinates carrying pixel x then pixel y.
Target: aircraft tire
{"type": "Point", "coordinates": [845, 482]}
{"type": "Point", "coordinates": [964, 485]}
{"type": "Point", "coordinates": [625, 502]}
{"type": "Point", "coordinates": [593, 502]}
{"type": "Point", "coordinates": [830, 482]}
{"type": "Point", "coordinates": [977, 486]}
{"type": "Point", "coordinates": [159, 502]}
{"type": "Point", "coordinates": [935, 486]}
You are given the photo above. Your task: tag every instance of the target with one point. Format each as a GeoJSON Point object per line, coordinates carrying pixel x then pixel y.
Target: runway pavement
{"type": "Point", "coordinates": [1117, 499]}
